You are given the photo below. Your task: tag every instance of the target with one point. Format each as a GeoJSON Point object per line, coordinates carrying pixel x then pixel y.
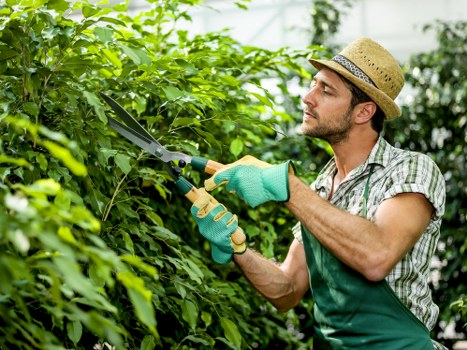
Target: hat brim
{"type": "Point", "coordinates": [390, 109]}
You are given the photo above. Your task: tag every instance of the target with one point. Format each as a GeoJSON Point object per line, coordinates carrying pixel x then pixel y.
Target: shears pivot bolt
{"type": "Point", "coordinates": [158, 152]}
{"type": "Point", "coordinates": [181, 163]}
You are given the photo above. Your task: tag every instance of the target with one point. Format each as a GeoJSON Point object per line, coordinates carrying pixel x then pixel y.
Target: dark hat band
{"type": "Point", "coordinates": [352, 68]}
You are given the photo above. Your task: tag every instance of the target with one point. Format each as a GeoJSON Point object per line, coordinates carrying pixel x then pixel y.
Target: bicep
{"type": "Point", "coordinates": [402, 220]}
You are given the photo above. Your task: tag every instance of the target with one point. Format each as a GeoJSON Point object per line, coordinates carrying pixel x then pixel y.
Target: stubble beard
{"type": "Point", "coordinates": [334, 134]}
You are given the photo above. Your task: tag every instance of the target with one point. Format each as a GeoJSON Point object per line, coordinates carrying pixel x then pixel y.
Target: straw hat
{"type": "Point", "coordinates": [372, 69]}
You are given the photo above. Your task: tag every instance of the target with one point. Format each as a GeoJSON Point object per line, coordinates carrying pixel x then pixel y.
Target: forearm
{"type": "Point", "coordinates": [269, 279]}
{"type": "Point", "coordinates": [352, 239]}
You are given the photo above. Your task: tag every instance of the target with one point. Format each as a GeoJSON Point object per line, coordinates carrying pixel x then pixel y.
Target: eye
{"type": "Point", "coordinates": [325, 92]}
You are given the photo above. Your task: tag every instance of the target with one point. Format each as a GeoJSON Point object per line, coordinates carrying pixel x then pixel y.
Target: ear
{"type": "Point", "coordinates": [365, 111]}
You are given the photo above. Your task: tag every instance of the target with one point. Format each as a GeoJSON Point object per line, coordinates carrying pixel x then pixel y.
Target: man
{"type": "Point", "coordinates": [368, 226]}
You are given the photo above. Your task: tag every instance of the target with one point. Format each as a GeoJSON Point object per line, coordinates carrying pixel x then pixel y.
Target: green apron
{"type": "Point", "coordinates": [352, 312]}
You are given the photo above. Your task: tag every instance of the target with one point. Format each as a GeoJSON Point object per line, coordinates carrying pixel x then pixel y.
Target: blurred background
{"type": "Point", "coordinates": [273, 24]}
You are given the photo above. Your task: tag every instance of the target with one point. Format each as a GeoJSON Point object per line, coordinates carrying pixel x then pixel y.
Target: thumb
{"type": "Point", "coordinates": [218, 179]}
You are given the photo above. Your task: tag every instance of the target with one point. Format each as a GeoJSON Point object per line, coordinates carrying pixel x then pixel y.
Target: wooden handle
{"type": "Point", "coordinates": [193, 194]}
{"type": "Point", "coordinates": [212, 167]}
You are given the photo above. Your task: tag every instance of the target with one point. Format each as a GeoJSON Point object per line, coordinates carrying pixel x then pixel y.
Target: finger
{"type": "Point", "coordinates": [238, 237]}
{"type": "Point", "coordinates": [238, 248]}
{"type": "Point", "coordinates": [218, 179]}
{"type": "Point", "coordinates": [203, 205]}
{"type": "Point", "coordinates": [223, 213]}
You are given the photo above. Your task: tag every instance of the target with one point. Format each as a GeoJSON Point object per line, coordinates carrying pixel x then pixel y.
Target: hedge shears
{"type": "Point", "coordinates": [173, 161]}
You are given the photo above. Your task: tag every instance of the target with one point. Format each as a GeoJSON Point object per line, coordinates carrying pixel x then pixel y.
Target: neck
{"type": "Point", "coordinates": [352, 152]}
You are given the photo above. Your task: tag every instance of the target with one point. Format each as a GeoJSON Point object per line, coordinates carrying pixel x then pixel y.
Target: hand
{"type": "Point", "coordinates": [254, 181]}
{"type": "Point", "coordinates": [219, 226]}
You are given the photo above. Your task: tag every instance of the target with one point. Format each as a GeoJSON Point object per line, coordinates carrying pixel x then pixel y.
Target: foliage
{"type": "Point", "coordinates": [96, 245]}
{"type": "Point", "coordinates": [326, 18]}
{"type": "Point", "coordinates": [435, 122]}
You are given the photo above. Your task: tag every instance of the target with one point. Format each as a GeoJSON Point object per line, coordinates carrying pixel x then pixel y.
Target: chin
{"type": "Point", "coordinates": [305, 129]}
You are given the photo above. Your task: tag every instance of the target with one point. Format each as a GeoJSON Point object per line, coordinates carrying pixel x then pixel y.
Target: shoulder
{"type": "Point", "coordinates": [409, 171]}
{"type": "Point", "coordinates": [413, 166]}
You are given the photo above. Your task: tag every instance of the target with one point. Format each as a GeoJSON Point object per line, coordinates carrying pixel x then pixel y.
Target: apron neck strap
{"type": "Point", "coordinates": [367, 190]}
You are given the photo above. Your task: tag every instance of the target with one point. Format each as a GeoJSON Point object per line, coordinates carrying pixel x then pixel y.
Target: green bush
{"type": "Point", "coordinates": [96, 244]}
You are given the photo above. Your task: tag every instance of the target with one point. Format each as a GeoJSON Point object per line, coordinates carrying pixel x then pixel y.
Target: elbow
{"type": "Point", "coordinates": [285, 305]}
{"type": "Point", "coordinates": [286, 301]}
{"type": "Point", "coordinates": [377, 267]}
{"type": "Point", "coordinates": [375, 275]}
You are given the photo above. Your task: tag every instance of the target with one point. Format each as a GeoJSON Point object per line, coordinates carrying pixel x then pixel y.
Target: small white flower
{"type": "Point", "coordinates": [16, 203]}
{"type": "Point", "coordinates": [21, 241]}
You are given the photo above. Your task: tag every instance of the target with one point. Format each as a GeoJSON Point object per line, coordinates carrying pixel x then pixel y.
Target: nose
{"type": "Point", "coordinates": [309, 98]}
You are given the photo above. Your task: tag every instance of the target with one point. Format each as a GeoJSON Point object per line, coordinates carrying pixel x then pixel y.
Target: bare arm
{"type": "Point", "coordinates": [283, 285]}
{"type": "Point", "coordinates": [372, 248]}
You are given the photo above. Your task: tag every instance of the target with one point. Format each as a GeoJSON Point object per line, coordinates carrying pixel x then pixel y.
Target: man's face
{"type": "Point", "coordinates": [327, 112]}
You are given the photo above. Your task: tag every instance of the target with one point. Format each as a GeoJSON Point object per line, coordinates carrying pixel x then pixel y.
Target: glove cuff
{"type": "Point", "coordinates": [276, 181]}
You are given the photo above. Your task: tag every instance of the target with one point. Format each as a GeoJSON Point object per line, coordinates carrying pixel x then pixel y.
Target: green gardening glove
{"type": "Point", "coordinates": [218, 226]}
{"type": "Point", "coordinates": [254, 181]}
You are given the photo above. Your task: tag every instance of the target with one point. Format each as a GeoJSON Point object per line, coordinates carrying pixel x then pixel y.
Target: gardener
{"type": "Point", "coordinates": [367, 227]}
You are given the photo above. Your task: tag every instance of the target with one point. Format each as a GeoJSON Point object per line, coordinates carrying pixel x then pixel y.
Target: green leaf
{"type": "Point", "coordinates": [263, 99]}
{"type": "Point", "coordinates": [180, 289]}
{"type": "Point", "coordinates": [197, 339]}
{"type": "Point", "coordinates": [74, 331]}
{"type": "Point", "coordinates": [139, 263]}
{"type": "Point", "coordinates": [70, 270]}
{"type": "Point", "coordinates": [112, 57]}
{"type": "Point", "coordinates": [5, 11]}
{"type": "Point", "coordinates": [89, 11]}
{"type": "Point", "coordinates": [92, 99]}
{"type": "Point", "coordinates": [62, 200]}
{"type": "Point", "coordinates": [58, 5]}
{"type": "Point", "coordinates": [208, 137]}
{"type": "Point", "coordinates": [16, 161]}
{"type": "Point", "coordinates": [165, 234]}
{"type": "Point", "coordinates": [123, 162]}
{"type": "Point", "coordinates": [188, 67]}
{"type": "Point", "coordinates": [42, 160]}
{"type": "Point", "coordinates": [77, 62]}
{"type": "Point", "coordinates": [104, 34]}
{"type": "Point", "coordinates": [172, 92]}
{"type": "Point", "coordinates": [138, 56]}
{"type": "Point", "coordinates": [65, 234]}
{"type": "Point", "coordinates": [66, 157]}
{"type": "Point", "coordinates": [231, 331]}
{"type": "Point", "coordinates": [206, 317]}
{"type": "Point", "coordinates": [49, 187]}
{"type": "Point", "coordinates": [143, 308]}
{"type": "Point", "coordinates": [185, 121]}
{"type": "Point", "coordinates": [140, 298]}
{"type": "Point", "coordinates": [190, 313]}
{"type": "Point", "coordinates": [236, 147]}
{"type": "Point", "coordinates": [148, 343]}
{"type": "Point", "coordinates": [6, 53]}
{"type": "Point", "coordinates": [32, 108]}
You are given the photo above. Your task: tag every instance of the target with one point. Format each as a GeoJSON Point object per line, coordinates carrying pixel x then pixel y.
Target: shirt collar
{"type": "Point", "coordinates": [380, 154]}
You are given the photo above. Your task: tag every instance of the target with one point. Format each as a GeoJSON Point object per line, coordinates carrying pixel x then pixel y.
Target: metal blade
{"type": "Point", "coordinates": [127, 118]}
{"type": "Point", "coordinates": [149, 145]}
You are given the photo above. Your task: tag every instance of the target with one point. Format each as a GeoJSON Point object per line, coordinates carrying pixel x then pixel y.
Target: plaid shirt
{"type": "Point", "coordinates": [396, 171]}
